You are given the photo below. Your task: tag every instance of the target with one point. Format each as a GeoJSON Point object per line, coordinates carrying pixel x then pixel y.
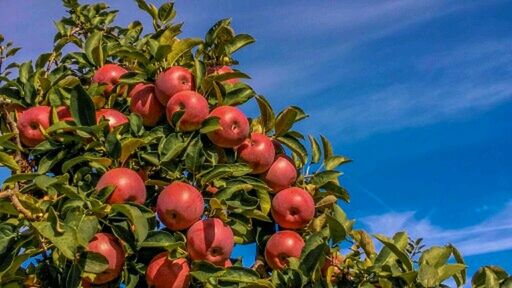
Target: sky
{"type": "Point", "coordinates": [417, 92]}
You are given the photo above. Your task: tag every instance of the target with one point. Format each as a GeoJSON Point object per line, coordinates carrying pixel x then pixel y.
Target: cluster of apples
{"type": "Point", "coordinates": [180, 206]}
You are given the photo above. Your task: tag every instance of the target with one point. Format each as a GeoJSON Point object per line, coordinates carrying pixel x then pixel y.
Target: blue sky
{"type": "Point", "coordinates": [417, 92]}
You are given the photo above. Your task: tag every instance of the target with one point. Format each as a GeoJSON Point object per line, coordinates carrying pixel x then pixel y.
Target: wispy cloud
{"type": "Point", "coordinates": [491, 235]}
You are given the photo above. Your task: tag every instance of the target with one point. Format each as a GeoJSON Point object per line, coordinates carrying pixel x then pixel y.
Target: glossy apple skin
{"type": "Point", "coordinates": [293, 208]}
{"type": "Point", "coordinates": [282, 245]}
{"type": "Point", "coordinates": [29, 122]}
{"type": "Point", "coordinates": [114, 117]}
{"type": "Point", "coordinates": [64, 114]}
{"type": "Point", "coordinates": [210, 240]}
{"type": "Point", "coordinates": [221, 70]}
{"type": "Point", "coordinates": [144, 103]}
{"type": "Point", "coordinates": [257, 151]}
{"type": "Point", "coordinates": [194, 106]}
{"type": "Point", "coordinates": [129, 186]}
{"type": "Point", "coordinates": [172, 81]}
{"type": "Point", "coordinates": [281, 175]}
{"type": "Point", "coordinates": [234, 127]}
{"type": "Point", "coordinates": [179, 206]}
{"type": "Point", "coordinates": [336, 259]}
{"type": "Point", "coordinates": [165, 273]}
{"type": "Point", "coordinates": [108, 246]}
{"type": "Point", "coordinates": [109, 75]}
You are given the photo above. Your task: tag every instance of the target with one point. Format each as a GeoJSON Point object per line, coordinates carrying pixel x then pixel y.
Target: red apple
{"type": "Point", "coordinates": [114, 117]}
{"type": "Point", "coordinates": [281, 246]}
{"type": "Point", "coordinates": [108, 246]}
{"type": "Point", "coordinates": [129, 187]}
{"type": "Point", "coordinates": [64, 114]}
{"type": "Point", "coordinates": [234, 127]}
{"type": "Point", "coordinates": [172, 81]}
{"type": "Point", "coordinates": [257, 151]}
{"type": "Point", "coordinates": [30, 123]}
{"type": "Point", "coordinates": [144, 103]}
{"type": "Point", "coordinates": [221, 70]}
{"type": "Point", "coordinates": [210, 188]}
{"type": "Point", "coordinates": [179, 206]}
{"type": "Point", "coordinates": [227, 263]}
{"type": "Point", "coordinates": [210, 240]}
{"type": "Point", "coordinates": [194, 106]}
{"type": "Point", "coordinates": [163, 272]}
{"type": "Point", "coordinates": [293, 208]}
{"type": "Point", "coordinates": [282, 174]}
{"type": "Point", "coordinates": [109, 75]}
{"type": "Point", "coordinates": [335, 260]}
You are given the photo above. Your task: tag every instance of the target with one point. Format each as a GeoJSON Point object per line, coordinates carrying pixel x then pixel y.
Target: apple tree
{"type": "Point", "coordinates": [132, 163]}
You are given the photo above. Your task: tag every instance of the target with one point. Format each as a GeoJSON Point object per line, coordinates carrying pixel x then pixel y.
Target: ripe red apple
{"type": "Point", "coordinates": [234, 127]}
{"type": "Point", "coordinates": [163, 272]}
{"type": "Point", "coordinates": [64, 114]}
{"type": "Point", "coordinates": [293, 208]}
{"type": "Point", "coordinates": [221, 70]}
{"type": "Point", "coordinates": [29, 123]}
{"type": "Point", "coordinates": [144, 103]}
{"type": "Point", "coordinates": [109, 75]}
{"type": "Point", "coordinates": [114, 117]}
{"type": "Point", "coordinates": [172, 81]}
{"type": "Point", "coordinates": [210, 240]}
{"type": "Point", "coordinates": [194, 106]}
{"type": "Point", "coordinates": [179, 206]}
{"type": "Point", "coordinates": [257, 151]}
{"type": "Point", "coordinates": [129, 187]}
{"type": "Point", "coordinates": [281, 246]}
{"type": "Point", "coordinates": [108, 246]}
{"type": "Point", "coordinates": [335, 260]}
{"type": "Point", "coordinates": [282, 174]}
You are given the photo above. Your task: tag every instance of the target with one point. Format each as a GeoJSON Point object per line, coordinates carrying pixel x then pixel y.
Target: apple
{"type": "Point", "coordinates": [30, 123]}
{"type": "Point", "coordinates": [335, 260]}
{"type": "Point", "coordinates": [227, 263]}
{"type": "Point", "coordinates": [144, 103]}
{"type": "Point", "coordinates": [281, 175]}
{"type": "Point", "coordinates": [210, 240]}
{"type": "Point", "coordinates": [179, 206]}
{"type": "Point", "coordinates": [163, 272]}
{"type": "Point", "coordinates": [109, 75]}
{"type": "Point", "coordinates": [257, 151]}
{"type": "Point", "coordinates": [114, 117]}
{"type": "Point", "coordinates": [212, 189]}
{"type": "Point", "coordinates": [194, 106]}
{"type": "Point", "coordinates": [221, 70]}
{"type": "Point", "coordinates": [234, 127]}
{"type": "Point", "coordinates": [172, 81]}
{"type": "Point", "coordinates": [293, 208]}
{"type": "Point", "coordinates": [281, 246]}
{"type": "Point", "coordinates": [108, 246]}
{"type": "Point", "coordinates": [129, 187]}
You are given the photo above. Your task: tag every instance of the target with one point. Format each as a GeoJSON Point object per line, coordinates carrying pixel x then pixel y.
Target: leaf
{"type": "Point", "coordinates": [86, 158]}
{"type": "Point", "coordinates": [449, 270]}
{"type": "Point", "coordinates": [285, 120]}
{"type": "Point", "coordinates": [93, 50]}
{"type": "Point", "coordinates": [335, 161]}
{"type": "Point", "coordinates": [81, 107]}
{"type": "Point", "coordinates": [238, 42]}
{"type": "Point", "coordinates": [73, 278]}
{"type": "Point", "coordinates": [397, 251]}
{"type": "Point", "coordinates": [199, 72]}
{"type": "Point", "coordinates": [94, 263]}
{"type": "Point", "coordinates": [336, 190]}
{"type": "Point", "coordinates": [161, 239]}
{"type": "Point", "coordinates": [8, 161]}
{"type": "Point", "coordinates": [166, 12]}
{"type": "Point", "coordinates": [460, 278]}
{"type": "Point", "coordinates": [327, 147]}
{"type": "Point", "coordinates": [171, 147]}
{"type": "Point", "coordinates": [66, 241]}
{"type": "Point", "coordinates": [296, 146]}
{"type": "Point", "coordinates": [181, 47]}
{"type": "Point", "coordinates": [210, 124]}
{"type": "Point", "coordinates": [266, 112]}
{"type": "Point", "coordinates": [428, 276]}
{"type": "Point", "coordinates": [435, 256]}
{"type": "Point", "coordinates": [339, 225]}
{"type": "Point", "coordinates": [223, 170]}
{"type": "Point", "coordinates": [315, 150]}
{"type": "Point", "coordinates": [194, 156]}
{"type": "Point", "coordinates": [312, 252]}
{"type": "Point", "coordinates": [128, 146]}
{"type": "Point", "coordinates": [136, 218]}
{"type": "Point", "coordinates": [265, 202]}
{"type": "Point", "coordinates": [321, 178]}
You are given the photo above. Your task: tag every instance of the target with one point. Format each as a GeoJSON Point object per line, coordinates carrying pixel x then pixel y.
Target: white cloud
{"type": "Point", "coordinates": [491, 235]}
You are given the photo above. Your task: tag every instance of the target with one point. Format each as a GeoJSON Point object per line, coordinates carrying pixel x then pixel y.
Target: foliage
{"type": "Point", "coordinates": [50, 209]}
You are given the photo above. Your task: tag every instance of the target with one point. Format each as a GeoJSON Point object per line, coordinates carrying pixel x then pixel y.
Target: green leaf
{"type": "Point", "coordinates": [179, 48]}
{"type": "Point", "coordinates": [93, 50]}
{"type": "Point", "coordinates": [81, 107]}
{"type": "Point", "coordinates": [223, 170]}
{"type": "Point", "coordinates": [128, 146]}
{"type": "Point", "coordinates": [449, 270]}
{"type": "Point", "coordinates": [339, 225]}
{"type": "Point", "coordinates": [136, 218]}
{"type": "Point", "coordinates": [459, 278]}
{"type": "Point", "coordinates": [210, 124]}
{"type": "Point", "coordinates": [105, 162]}
{"type": "Point", "coordinates": [166, 12]}
{"type": "Point", "coordinates": [296, 146]}
{"type": "Point", "coordinates": [65, 241]}
{"type": "Point", "coordinates": [428, 276]}
{"type": "Point", "coordinates": [327, 147]}
{"type": "Point", "coordinates": [435, 256]}
{"type": "Point", "coordinates": [266, 112]}
{"type": "Point", "coordinates": [313, 251]}
{"type": "Point", "coordinates": [238, 42]}
{"type": "Point", "coordinates": [171, 147]}
{"type": "Point", "coordinates": [194, 156]}
{"type": "Point", "coordinates": [336, 190]}
{"type": "Point", "coordinates": [315, 150]}
{"type": "Point", "coordinates": [286, 118]}
{"type": "Point", "coordinates": [334, 161]}
{"type": "Point", "coordinates": [94, 263]}
{"type": "Point", "coordinates": [161, 239]}
{"type": "Point", "coordinates": [397, 250]}
{"type": "Point", "coordinates": [323, 177]}
{"type": "Point", "coordinates": [73, 278]}
{"type": "Point", "coordinates": [199, 72]}
{"type": "Point", "coordinates": [8, 161]}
